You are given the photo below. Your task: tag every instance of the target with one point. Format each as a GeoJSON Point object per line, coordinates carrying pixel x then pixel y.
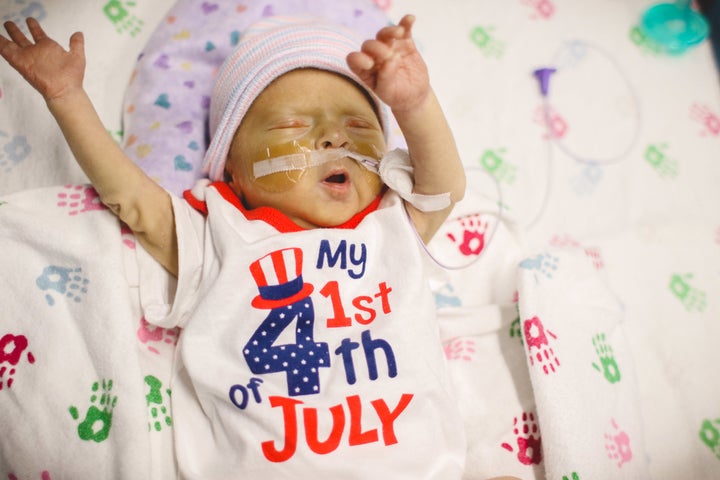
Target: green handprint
{"type": "Point", "coordinates": [660, 162]}
{"type": "Point", "coordinates": [496, 165]}
{"type": "Point", "coordinates": [607, 360]}
{"type": "Point", "coordinates": [155, 404]}
{"type": "Point", "coordinates": [98, 418]}
{"type": "Point", "coordinates": [693, 299]}
{"type": "Point", "coordinates": [121, 18]}
{"type": "Point", "coordinates": [482, 37]}
{"type": "Point", "coordinates": [710, 435]}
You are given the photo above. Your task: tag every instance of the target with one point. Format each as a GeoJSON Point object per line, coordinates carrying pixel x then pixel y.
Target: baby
{"type": "Point", "coordinates": [309, 345]}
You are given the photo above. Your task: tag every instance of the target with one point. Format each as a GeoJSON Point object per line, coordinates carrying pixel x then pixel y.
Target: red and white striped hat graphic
{"type": "Point", "coordinates": [278, 276]}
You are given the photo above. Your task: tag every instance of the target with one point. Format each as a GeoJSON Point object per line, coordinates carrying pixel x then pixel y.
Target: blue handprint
{"type": "Point", "coordinates": [64, 281]}
{"type": "Point", "coordinates": [544, 263]}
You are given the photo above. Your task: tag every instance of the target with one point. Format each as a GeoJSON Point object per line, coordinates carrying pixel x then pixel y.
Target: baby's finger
{"type": "Point", "coordinates": [360, 62]}
{"type": "Point", "coordinates": [396, 32]}
{"type": "Point", "coordinates": [77, 43]}
{"type": "Point", "coordinates": [5, 46]}
{"type": "Point", "coordinates": [377, 50]}
{"type": "Point", "coordinates": [35, 29]}
{"type": "Point", "coordinates": [388, 34]}
{"type": "Point", "coordinates": [407, 23]}
{"type": "Point", "coordinates": [16, 34]}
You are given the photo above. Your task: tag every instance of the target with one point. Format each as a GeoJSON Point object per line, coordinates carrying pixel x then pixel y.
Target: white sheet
{"type": "Point", "coordinates": [627, 249]}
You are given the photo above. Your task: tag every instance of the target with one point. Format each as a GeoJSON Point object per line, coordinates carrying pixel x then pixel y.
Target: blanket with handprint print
{"type": "Point", "coordinates": [83, 380]}
{"type": "Point", "coordinates": [581, 331]}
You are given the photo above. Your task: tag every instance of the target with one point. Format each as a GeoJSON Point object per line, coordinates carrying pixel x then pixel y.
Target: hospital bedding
{"type": "Point", "coordinates": [579, 308]}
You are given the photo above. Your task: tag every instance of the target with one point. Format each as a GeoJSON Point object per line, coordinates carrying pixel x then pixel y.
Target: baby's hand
{"type": "Point", "coordinates": [392, 67]}
{"type": "Point", "coordinates": [49, 68]}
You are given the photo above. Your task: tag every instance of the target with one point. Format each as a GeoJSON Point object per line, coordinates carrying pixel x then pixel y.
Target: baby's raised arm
{"type": "Point", "coordinates": [58, 75]}
{"type": "Point", "coordinates": [392, 67]}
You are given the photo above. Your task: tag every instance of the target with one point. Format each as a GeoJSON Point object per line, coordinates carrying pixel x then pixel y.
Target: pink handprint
{"type": "Point", "coordinates": [80, 199]}
{"type": "Point", "coordinates": [555, 124]}
{"type": "Point", "coordinates": [384, 5]}
{"type": "Point", "coordinates": [595, 256]}
{"type": "Point", "coordinates": [528, 439]}
{"type": "Point", "coordinates": [537, 340]}
{"type": "Point", "coordinates": [128, 238]}
{"type": "Point", "coordinates": [459, 349]}
{"type": "Point", "coordinates": [44, 475]}
{"type": "Point", "coordinates": [617, 444]}
{"type": "Point", "coordinates": [592, 253]}
{"type": "Point", "coordinates": [703, 114]}
{"type": "Point", "coordinates": [473, 235]}
{"type": "Point", "coordinates": [11, 349]}
{"type": "Point", "coordinates": [544, 9]}
{"type": "Point", "coordinates": [150, 334]}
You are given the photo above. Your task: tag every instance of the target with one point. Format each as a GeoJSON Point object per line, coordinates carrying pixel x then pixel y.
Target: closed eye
{"type": "Point", "coordinates": [288, 124]}
{"type": "Point", "coordinates": [359, 123]}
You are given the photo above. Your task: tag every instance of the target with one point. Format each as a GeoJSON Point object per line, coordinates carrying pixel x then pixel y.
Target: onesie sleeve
{"type": "Point", "coordinates": [167, 301]}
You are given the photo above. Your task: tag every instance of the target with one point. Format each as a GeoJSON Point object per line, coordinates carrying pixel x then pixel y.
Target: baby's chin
{"type": "Point", "coordinates": [310, 221]}
{"type": "Point", "coordinates": [330, 213]}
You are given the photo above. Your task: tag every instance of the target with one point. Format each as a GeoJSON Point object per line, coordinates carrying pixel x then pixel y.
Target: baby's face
{"type": "Point", "coordinates": [308, 110]}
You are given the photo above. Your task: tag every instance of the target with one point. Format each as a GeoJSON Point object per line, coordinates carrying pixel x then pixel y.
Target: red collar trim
{"type": "Point", "coordinates": [272, 215]}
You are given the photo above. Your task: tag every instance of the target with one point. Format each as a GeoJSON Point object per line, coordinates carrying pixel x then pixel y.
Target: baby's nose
{"type": "Point", "coordinates": [332, 136]}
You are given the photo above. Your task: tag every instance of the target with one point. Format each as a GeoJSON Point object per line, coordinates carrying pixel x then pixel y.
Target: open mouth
{"type": "Point", "coordinates": [336, 178]}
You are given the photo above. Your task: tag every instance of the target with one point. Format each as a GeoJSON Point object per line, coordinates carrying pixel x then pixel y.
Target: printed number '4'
{"type": "Point", "coordinates": [301, 360]}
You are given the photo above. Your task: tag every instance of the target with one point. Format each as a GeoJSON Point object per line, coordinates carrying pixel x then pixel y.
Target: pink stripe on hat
{"type": "Point", "coordinates": [269, 49]}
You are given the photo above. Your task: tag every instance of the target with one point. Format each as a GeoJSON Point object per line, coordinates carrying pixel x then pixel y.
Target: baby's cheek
{"type": "Point", "coordinates": [370, 182]}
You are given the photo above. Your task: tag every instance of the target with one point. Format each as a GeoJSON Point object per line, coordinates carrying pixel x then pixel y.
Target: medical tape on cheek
{"type": "Point", "coordinates": [309, 159]}
{"type": "Point", "coordinates": [395, 169]}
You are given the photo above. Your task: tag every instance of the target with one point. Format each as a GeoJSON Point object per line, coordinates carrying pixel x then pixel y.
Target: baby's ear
{"type": "Point", "coordinates": [233, 183]}
{"type": "Point", "coordinates": [228, 176]}
{"type": "Point", "coordinates": [230, 179]}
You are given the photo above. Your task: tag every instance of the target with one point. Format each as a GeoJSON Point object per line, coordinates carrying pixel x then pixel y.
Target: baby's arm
{"type": "Point", "coordinates": [391, 65]}
{"type": "Point", "coordinates": [58, 75]}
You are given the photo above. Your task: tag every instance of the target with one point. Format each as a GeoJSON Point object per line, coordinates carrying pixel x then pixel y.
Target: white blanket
{"type": "Point", "coordinates": [83, 382]}
{"type": "Point", "coordinates": [582, 341]}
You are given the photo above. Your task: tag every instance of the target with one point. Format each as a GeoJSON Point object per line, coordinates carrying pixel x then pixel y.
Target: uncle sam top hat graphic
{"type": "Point", "coordinates": [278, 276]}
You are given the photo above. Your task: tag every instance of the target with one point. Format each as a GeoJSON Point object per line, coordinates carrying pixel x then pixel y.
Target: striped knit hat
{"type": "Point", "coordinates": [267, 50]}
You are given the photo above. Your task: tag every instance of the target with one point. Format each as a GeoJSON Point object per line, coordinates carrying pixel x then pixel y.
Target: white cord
{"type": "Point", "coordinates": [636, 102]}
{"type": "Point", "coordinates": [552, 140]}
{"type": "Point", "coordinates": [498, 215]}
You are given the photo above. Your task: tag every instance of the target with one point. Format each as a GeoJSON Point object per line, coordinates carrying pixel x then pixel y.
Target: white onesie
{"type": "Point", "coordinates": [306, 353]}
